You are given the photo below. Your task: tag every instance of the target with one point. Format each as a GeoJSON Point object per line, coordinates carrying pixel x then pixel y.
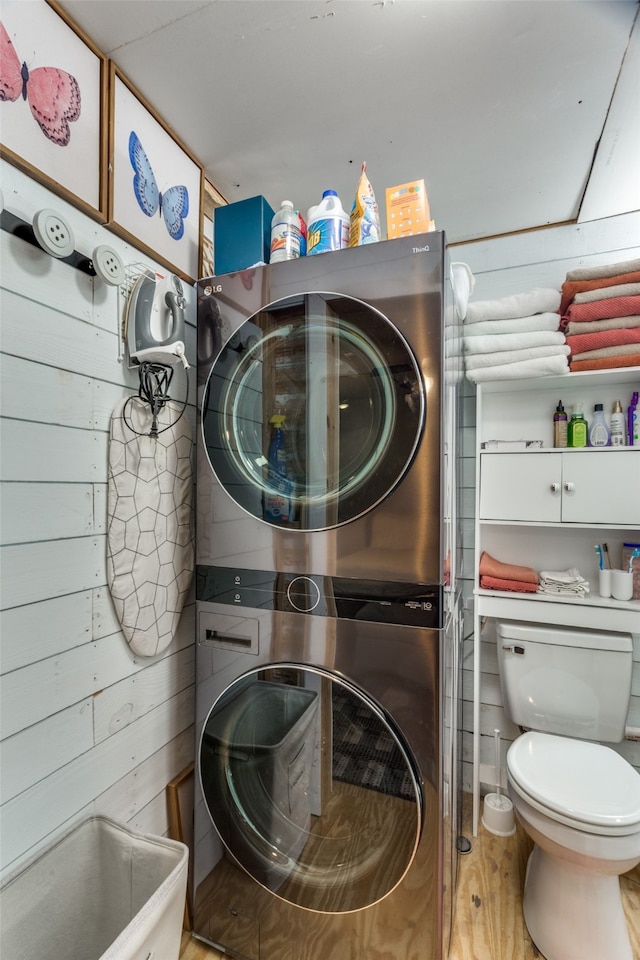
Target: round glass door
{"type": "Point", "coordinates": [311, 788]}
{"type": "Point", "coordinates": [313, 411]}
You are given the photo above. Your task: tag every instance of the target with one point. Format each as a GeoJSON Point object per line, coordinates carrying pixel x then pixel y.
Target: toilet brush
{"type": "Point", "coordinates": [497, 814]}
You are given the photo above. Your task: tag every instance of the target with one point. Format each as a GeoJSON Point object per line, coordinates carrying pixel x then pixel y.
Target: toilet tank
{"type": "Point", "coordinates": [573, 682]}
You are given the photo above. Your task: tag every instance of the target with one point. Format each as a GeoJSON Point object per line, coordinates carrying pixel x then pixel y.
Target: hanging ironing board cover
{"type": "Point", "coordinates": [150, 552]}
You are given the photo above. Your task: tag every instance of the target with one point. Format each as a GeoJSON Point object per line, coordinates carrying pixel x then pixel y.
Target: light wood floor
{"type": "Point", "coordinates": [488, 920]}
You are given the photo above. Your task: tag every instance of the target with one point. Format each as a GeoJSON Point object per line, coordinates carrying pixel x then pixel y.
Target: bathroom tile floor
{"type": "Point", "coordinates": [488, 922]}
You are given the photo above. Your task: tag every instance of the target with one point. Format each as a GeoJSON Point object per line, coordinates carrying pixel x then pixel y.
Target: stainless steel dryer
{"type": "Point", "coordinates": [351, 349]}
{"type": "Point", "coordinates": [328, 640]}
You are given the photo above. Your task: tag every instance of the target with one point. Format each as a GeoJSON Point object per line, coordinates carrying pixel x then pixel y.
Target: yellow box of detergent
{"type": "Point", "coordinates": [407, 210]}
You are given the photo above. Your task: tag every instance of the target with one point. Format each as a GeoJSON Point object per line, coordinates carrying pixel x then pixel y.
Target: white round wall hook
{"type": "Point", "coordinates": [108, 265]}
{"type": "Point", "coordinates": [53, 233]}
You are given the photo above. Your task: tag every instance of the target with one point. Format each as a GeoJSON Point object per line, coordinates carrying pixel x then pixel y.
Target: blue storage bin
{"type": "Point", "coordinates": [241, 234]}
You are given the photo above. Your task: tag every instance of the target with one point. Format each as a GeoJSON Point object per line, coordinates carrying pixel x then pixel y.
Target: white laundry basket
{"type": "Point", "coordinates": [100, 892]}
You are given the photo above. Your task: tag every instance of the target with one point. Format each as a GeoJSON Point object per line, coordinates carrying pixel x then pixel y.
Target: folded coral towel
{"type": "Point", "coordinates": [580, 343]}
{"type": "Point", "coordinates": [571, 288]}
{"type": "Point", "coordinates": [538, 367]}
{"type": "Point", "coordinates": [513, 341]}
{"type": "Point", "coordinates": [606, 363]}
{"type": "Point", "coordinates": [537, 322]}
{"type": "Point", "coordinates": [605, 293]}
{"type": "Point", "coordinates": [566, 583]}
{"type": "Point", "coordinates": [611, 323]}
{"type": "Point", "coordinates": [490, 567]}
{"type": "Point", "coordinates": [606, 270]}
{"type": "Point", "coordinates": [473, 361]}
{"type": "Point", "coordinates": [540, 300]}
{"type": "Point", "coordinates": [601, 309]}
{"type": "Point", "coordinates": [515, 586]}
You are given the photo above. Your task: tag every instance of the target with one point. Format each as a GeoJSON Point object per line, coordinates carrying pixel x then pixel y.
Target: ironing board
{"type": "Point", "coordinates": [150, 537]}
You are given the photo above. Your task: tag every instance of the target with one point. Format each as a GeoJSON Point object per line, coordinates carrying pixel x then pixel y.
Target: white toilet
{"type": "Point", "coordinates": [579, 801]}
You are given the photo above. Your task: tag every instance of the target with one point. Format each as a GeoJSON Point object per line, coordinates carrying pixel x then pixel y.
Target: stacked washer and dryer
{"type": "Point", "coordinates": [328, 612]}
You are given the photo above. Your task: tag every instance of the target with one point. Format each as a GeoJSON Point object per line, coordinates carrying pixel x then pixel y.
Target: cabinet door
{"type": "Point", "coordinates": [521, 486]}
{"type": "Point", "coordinates": [601, 487]}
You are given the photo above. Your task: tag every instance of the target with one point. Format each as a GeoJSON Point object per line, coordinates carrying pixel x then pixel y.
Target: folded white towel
{"type": "Point", "coordinates": [607, 270]}
{"type": "Point", "coordinates": [539, 300]}
{"type": "Point", "coordinates": [473, 361]}
{"type": "Point", "coordinates": [513, 341]}
{"type": "Point", "coordinates": [538, 367]}
{"type": "Point", "coordinates": [572, 575]}
{"type": "Point", "coordinates": [563, 583]}
{"type": "Point", "coordinates": [539, 321]}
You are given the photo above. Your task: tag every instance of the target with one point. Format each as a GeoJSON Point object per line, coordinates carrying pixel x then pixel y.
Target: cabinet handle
{"type": "Point", "coordinates": [555, 487]}
{"type": "Point", "coordinates": [569, 487]}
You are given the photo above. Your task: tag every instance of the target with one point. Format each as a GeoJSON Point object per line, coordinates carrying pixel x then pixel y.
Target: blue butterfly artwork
{"type": "Point", "coordinates": [173, 204]}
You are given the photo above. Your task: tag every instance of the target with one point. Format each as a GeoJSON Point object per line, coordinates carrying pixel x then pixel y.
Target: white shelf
{"type": "Point", "coordinates": [555, 383]}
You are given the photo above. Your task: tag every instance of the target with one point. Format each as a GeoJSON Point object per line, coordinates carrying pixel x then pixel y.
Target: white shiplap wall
{"type": "Point", "coordinates": [503, 267]}
{"type": "Point", "coordinates": [86, 726]}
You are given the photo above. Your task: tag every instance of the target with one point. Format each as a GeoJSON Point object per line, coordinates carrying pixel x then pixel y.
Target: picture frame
{"type": "Point", "coordinates": [155, 183]}
{"type": "Point", "coordinates": [180, 800]}
{"type": "Point", "coordinates": [66, 149]}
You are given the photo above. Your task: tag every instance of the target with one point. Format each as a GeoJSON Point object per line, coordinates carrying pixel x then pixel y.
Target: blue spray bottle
{"type": "Point", "coordinates": [277, 499]}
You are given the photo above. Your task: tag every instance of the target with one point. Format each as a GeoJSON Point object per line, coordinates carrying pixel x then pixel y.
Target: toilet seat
{"type": "Point", "coordinates": [579, 783]}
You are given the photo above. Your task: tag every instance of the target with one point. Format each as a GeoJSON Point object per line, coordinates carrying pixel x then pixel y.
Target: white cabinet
{"type": "Point", "coordinates": [545, 508]}
{"type": "Point", "coordinates": [581, 486]}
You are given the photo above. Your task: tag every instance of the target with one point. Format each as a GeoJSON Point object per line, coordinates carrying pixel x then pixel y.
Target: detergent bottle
{"type": "Point", "coordinates": [286, 235]}
{"type": "Point", "coordinates": [277, 500]}
{"type": "Point", "coordinates": [328, 225]}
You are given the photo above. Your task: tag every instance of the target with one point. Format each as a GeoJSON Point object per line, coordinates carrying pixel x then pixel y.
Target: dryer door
{"type": "Point", "coordinates": [311, 787]}
{"type": "Point", "coordinates": [346, 389]}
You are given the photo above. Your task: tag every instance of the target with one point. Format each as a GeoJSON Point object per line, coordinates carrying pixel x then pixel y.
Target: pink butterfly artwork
{"type": "Point", "coordinates": [53, 94]}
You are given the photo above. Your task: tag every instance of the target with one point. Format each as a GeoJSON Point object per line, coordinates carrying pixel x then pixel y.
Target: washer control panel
{"type": "Point", "coordinates": [387, 601]}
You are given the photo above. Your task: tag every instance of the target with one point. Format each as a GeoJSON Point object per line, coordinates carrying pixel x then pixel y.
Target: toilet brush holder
{"type": "Point", "coordinates": [498, 816]}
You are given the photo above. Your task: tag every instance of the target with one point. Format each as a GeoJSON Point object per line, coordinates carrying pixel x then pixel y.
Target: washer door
{"type": "Point", "coordinates": [353, 402]}
{"type": "Point", "coordinates": [311, 788]}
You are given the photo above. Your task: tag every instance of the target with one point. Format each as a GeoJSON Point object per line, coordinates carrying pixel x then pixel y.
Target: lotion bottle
{"type": "Point", "coordinates": [560, 426]}
{"type": "Point", "coordinates": [618, 434]}
{"type": "Point", "coordinates": [577, 429]}
{"type": "Point", "coordinates": [599, 431]}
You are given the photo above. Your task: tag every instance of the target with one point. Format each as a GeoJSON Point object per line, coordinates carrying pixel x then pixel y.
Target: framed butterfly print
{"type": "Point", "coordinates": [53, 102]}
{"type": "Point", "coordinates": [155, 185]}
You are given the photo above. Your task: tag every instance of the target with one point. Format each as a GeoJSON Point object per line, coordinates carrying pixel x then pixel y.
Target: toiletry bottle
{"type": "Point", "coordinates": [618, 433]}
{"type": "Point", "coordinates": [632, 421]}
{"type": "Point", "coordinates": [577, 430]}
{"type": "Point", "coordinates": [599, 431]}
{"type": "Point", "coordinates": [560, 426]}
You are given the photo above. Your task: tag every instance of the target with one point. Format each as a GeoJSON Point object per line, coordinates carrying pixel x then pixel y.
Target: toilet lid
{"type": "Point", "coordinates": [577, 779]}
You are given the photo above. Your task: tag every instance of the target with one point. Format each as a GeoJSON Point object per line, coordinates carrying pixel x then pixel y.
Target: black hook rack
{"type": "Point", "coordinates": [20, 228]}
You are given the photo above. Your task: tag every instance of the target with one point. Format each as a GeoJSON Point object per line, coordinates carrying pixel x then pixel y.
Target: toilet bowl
{"type": "Point", "coordinates": [580, 803]}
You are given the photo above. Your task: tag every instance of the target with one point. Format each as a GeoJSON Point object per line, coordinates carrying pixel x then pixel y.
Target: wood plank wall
{"type": "Point", "coordinates": [87, 727]}
{"type": "Point", "coordinates": [505, 266]}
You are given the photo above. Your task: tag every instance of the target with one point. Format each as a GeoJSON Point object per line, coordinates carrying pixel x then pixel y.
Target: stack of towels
{"type": "Point", "coordinates": [600, 310]}
{"type": "Point", "coordinates": [495, 575]}
{"type": "Point", "coordinates": [517, 336]}
{"type": "Point", "coordinates": [563, 583]}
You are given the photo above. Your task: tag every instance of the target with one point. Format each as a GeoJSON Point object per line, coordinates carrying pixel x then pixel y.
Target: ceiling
{"type": "Point", "coordinates": [499, 105]}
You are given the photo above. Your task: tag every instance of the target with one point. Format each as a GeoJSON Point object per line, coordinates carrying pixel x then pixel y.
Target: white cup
{"type": "Point", "coordinates": [604, 582]}
{"type": "Point", "coordinates": [621, 584]}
